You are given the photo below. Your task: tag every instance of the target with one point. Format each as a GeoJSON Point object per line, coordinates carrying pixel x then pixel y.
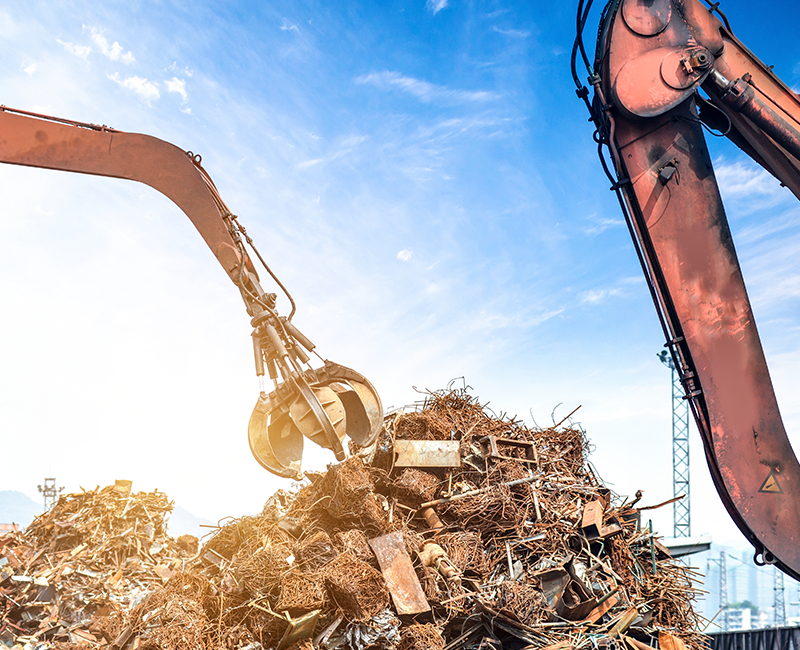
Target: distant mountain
{"type": "Point", "coordinates": [18, 508]}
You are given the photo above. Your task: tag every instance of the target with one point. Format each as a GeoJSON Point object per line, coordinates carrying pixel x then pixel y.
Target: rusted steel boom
{"type": "Point", "coordinates": [323, 404]}
{"type": "Point", "coordinates": [652, 59]}
{"type": "Point", "coordinates": [51, 143]}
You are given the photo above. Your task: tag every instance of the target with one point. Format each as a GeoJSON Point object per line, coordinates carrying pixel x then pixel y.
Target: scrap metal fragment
{"type": "Point", "coordinates": [382, 630]}
{"type": "Point", "coordinates": [624, 622]}
{"type": "Point", "coordinates": [427, 453]}
{"type": "Point", "coordinates": [123, 487]}
{"type": "Point", "coordinates": [565, 593]}
{"type": "Point", "coordinates": [433, 555]}
{"type": "Point", "coordinates": [299, 628]}
{"type": "Point", "coordinates": [490, 448]}
{"type": "Point", "coordinates": [667, 641]}
{"type": "Point", "coordinates": [401, 579]}
{"type": "Point", "coordinates": [431, 518]}
{"type": "Point", "coordinates": [592, 522]}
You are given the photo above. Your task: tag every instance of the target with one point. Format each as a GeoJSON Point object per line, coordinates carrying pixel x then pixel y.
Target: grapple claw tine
{"type": "Point", "coordinates": [324, 405]}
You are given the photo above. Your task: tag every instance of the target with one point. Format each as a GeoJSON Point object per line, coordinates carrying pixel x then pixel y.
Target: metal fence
{"type": "Point", "coordinates": [775, 638]}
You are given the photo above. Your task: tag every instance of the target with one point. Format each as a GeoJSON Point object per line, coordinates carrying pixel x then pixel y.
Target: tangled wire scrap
{"type": "Point", "coordinates": [523, 547]}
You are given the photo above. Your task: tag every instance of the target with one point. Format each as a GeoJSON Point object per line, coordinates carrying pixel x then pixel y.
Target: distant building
{"type": "Point", "coordinates": [8, 528]}
{"type": "Point", "coordinates": [740, 619]}
{"type": "Point", "coordinates": [761, 620]}
{"type": "Point", "coordinates": [747, 584]}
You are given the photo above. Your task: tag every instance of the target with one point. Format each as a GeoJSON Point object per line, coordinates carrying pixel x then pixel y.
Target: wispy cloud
{"type": "Point", "coordinates": [344, 147]}
{"type": "Point", "coordinates": [423, 90]}
{"type": "Point", "coordinates": [147, 90]}
{"type": "Point", "coordinates": [742, 179]}
{"type": "Point", "coordinates": [489, 320]}
{"type": "Point", "coordinates": [753, 187]}
{"type": "Point", "coordinates": [516, 33]}
{"type": "Point", "coordinates": [600, 224]}
{"type": "Point", "coordinates": [454, 126]}
{"type": "Point", "coordinates": [177, 86]}
{"type": "Point", "coordinates": [436, 5]}
{"type": "Point", "coordinates": [286, 26]}
{"type": "Point", "coordinates": [596, 296]}
{"type": "Point", "coordinates": [748, 189]}
{"type": "Point", "coordinates": [174, 68]}
{"type": "Point", "coordinates": [113, 51]}
{"type": "Point", "coordinates": [404, 255]}
{"type": "Point", "coordinates": [29, 69]}
{"type": "Point", "coordinates": [81, 51]}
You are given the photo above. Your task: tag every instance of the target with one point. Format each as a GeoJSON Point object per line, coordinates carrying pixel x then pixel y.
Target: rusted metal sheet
{"type": "Point", "coordinates": [597, 613]}
{"type": "Point", "coordinates": [667, 641]}
{"type": "Point", "coordinates": [299, 628]}
{"type": "Point", "coordinates": [427, 453]}
{"type": "Point", "coordinates": [592, 522]}
{"type": "Point", "coordinates": [123, 487]}
{"type": "Point", "coordinates": [553, 582]}
{"type": "Point", "coordinates": [401, 579]}
{"type": "Point", "coordinates": [566, 594]}
{"type": "Point", "coordinates": [492, 447]}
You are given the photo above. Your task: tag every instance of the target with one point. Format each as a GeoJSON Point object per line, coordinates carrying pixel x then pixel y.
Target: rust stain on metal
{"type": "Point", "coordinates": [401, 579]}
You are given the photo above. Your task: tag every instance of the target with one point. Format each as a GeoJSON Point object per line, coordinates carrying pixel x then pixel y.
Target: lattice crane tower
{"type": "Point", "coordinates": [49, 492]}
{"type": "Point", "coordinates": [779, 601]}
{"type": "Point", "coordinates": [681, 513]}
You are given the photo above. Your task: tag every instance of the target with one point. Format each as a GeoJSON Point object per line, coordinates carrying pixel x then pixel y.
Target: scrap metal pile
{"type": "Point", "coordinates": [459, 530]}
{"type": "Point", "coordinates": [74, 573]}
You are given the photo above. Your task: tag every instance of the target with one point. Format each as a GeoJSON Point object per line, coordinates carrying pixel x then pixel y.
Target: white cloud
{"type": "Point", "coordinates": [345, 146]}
{"type": "Point", "coordinates": [81, 51]}
{"type": "Point", "coordinates": [422, 90]}
{"type": "Point", "coordinates": [178, 86]}
{"type": "Point", "coordinates": [310, 163]}
{"type": "Point", "coordinates": [741, 179]}
{"type": "Point", "coordinates": [29, 69]}
{"type": "Point", "coordinates": [493, 321]}
{"type": "Point", "coordinates": [601, 224]}
{"type": "Point", "coordinates": [516, 33]}
{"type": "Point", "coordinates": [113, 51]}
{"type": "Point", "coordinates": [436, 5]}
{"type": "Point", "coordinates": [747, 188]}
{"type": "Point", "coordinates": [145, 89]}
{"type": "Point", "coordinates": [595, 296]}
{"type": "Point", "coordinates": [174, 68]}
{"type": "Point", "coordinates": [405, 255]}
{"type": "Point", "coordinates": [287, 26]}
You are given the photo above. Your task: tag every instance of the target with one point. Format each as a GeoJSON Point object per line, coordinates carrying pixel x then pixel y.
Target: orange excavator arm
{"type": "Point", "coordinates": [323, 404]}
{"type": "Point", "coordinates": [664, 70]}
{"type": "Point", "coordinates": [51, 143]}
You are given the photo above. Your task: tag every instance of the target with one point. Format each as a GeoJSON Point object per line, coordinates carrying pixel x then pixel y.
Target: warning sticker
{"type": "Point", "coordinates": [771, 484]}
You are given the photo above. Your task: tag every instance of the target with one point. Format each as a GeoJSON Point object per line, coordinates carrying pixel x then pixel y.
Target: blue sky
{"type": "Point", "coordinates": [422, 178]}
